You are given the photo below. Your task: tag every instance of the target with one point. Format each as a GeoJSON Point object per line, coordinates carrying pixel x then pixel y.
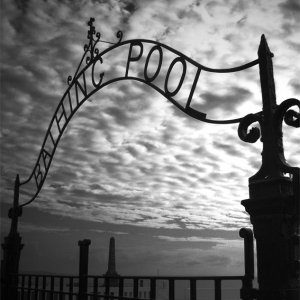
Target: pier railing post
{"type": "Point", "coordinates": [83, 268]}
{"type": "Point", "coordinates": [247, 291]}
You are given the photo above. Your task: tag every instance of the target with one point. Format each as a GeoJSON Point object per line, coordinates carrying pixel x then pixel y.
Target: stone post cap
{"type": "Point", "coordinates": [85, 242]}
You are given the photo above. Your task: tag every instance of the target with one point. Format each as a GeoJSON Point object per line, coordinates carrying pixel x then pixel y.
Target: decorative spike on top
{"type": "Point", "coordinates": [263, 47]}
{"type": "Point", "coordinates": [92, 31]}
{"type": "Point", "coordinates": [91, 47]}
{"type": "Point", "coordinates": [266, 73]}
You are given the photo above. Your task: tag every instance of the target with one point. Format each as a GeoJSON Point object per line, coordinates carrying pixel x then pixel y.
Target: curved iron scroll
{"type": "Point", "coordinates": [78, 91]}
{"type": "Point", "coordinates": [274, 156]}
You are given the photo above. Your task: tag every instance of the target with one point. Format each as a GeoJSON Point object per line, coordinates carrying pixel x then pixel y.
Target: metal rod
{"type": "Point", "coordinates": [70, 288]}
{"type": "Point", "coordinates": [135, 288]}
{"type": "Point", "coordinates": [29, 287]}
{"type": "Point", "coordinates": [44, 287]}
{"type": "Point", "coordinates": [107, 285]}
{"type": "Point", "coordinates": [152, 288]}
{"type": "Point", "coordinates": [193, 294]}
{"type": "Point", "coordinates": [95, 288]}
{"type": "Point", "coordinates": [171, 289]}
{"type": "Point", "coordinates": [121, 287]}
{"type": "Point", "coordinates": [36, 287]}
{"type": "Point", "coordinates": [22, 286]}
{"type": "Point", "coordinates": [51, 287]}
{"type": "Point", "coordinates": [61, 288]}
{"type": "Point", "coordinates": [218, 290]}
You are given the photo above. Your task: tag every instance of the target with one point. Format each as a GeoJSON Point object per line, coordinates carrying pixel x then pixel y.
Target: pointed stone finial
{"type": "Point", "coordinates": [91, 31]}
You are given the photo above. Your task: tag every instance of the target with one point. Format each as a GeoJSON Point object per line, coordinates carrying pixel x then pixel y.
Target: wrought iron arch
{"type": "Point", "coordinates": [69, 104]}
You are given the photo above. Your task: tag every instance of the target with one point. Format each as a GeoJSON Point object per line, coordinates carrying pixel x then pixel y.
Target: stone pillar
{"type": "Point", "coordinates": [12, 247]}
{"type": "Point", "coordinates": [83, 268]}
{"type": "Point", "coordinates": [274, 197]}
{"type": "Point", "coordinates": [247, 292]}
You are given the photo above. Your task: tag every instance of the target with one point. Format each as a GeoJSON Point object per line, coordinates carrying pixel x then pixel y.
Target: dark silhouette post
{"type": "Point", "coordinates": [12, 247]}
{"type": "Point", "coordinates": [111, 269]}
{"type": "Point", "coordinates": [247, 291]}
{"type": "Point", "coordinates": [83, 268]}
{"type": "Point", "coordinates": [273, 202]}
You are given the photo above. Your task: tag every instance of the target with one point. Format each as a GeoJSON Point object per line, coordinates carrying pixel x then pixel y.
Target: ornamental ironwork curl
{"type": "Point", "coordinates": [282, 113]}
{"type": "Point", "coordinates": [253, 134]}
{"type": "Point", "coordinates": [79, 91]}
{"type": "Point", "coordinates": [274, 156]}
{"type": "Point", "coordinates": [290, 116]}
{"type": "Point", "coordinates": [91, 50]}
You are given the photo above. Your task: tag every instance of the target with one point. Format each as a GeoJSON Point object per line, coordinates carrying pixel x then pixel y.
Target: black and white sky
{"type": "Point", "coordinates": [130, 164]}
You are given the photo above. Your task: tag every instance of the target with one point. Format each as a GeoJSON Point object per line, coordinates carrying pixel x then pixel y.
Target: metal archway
{"type": "Point", "coordinates": [78, 92]}
{"type": "Point", "coordinates": [269, 182]}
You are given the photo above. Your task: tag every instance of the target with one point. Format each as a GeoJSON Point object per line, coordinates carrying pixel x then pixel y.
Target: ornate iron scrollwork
{"type": "Point", "coordinates": [90, 50]}
{"type": "Point", "coordinates": [290, 117]}
{"type": "Point", "coordinates": [252, 135]}
{"type": "Point", "coordinates": [282, 113]}
{"type": "Point", "coordinates": [91, 47]}
{"type": "Point", "coordinates": [119, 35]}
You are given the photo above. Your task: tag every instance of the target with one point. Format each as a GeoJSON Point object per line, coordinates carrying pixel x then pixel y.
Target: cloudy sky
{"type": "Point", "coordinates": [130, 164]}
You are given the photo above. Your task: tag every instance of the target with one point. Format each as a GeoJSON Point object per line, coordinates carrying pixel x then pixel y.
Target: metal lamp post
{"type": "Point", "coordinates": [274, 198]}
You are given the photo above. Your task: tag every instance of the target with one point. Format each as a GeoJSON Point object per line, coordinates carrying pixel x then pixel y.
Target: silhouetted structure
{"type": "Point", "coordinates": [274, 194]}
{"type": "Point", "coordinates": [111, 267]}
{"type": "Point", "coordinates": [12, 247]}
{"type": "Point", "coordinates": [274, 197]}
{"type": "Point", "coordinates": [83, 268]}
